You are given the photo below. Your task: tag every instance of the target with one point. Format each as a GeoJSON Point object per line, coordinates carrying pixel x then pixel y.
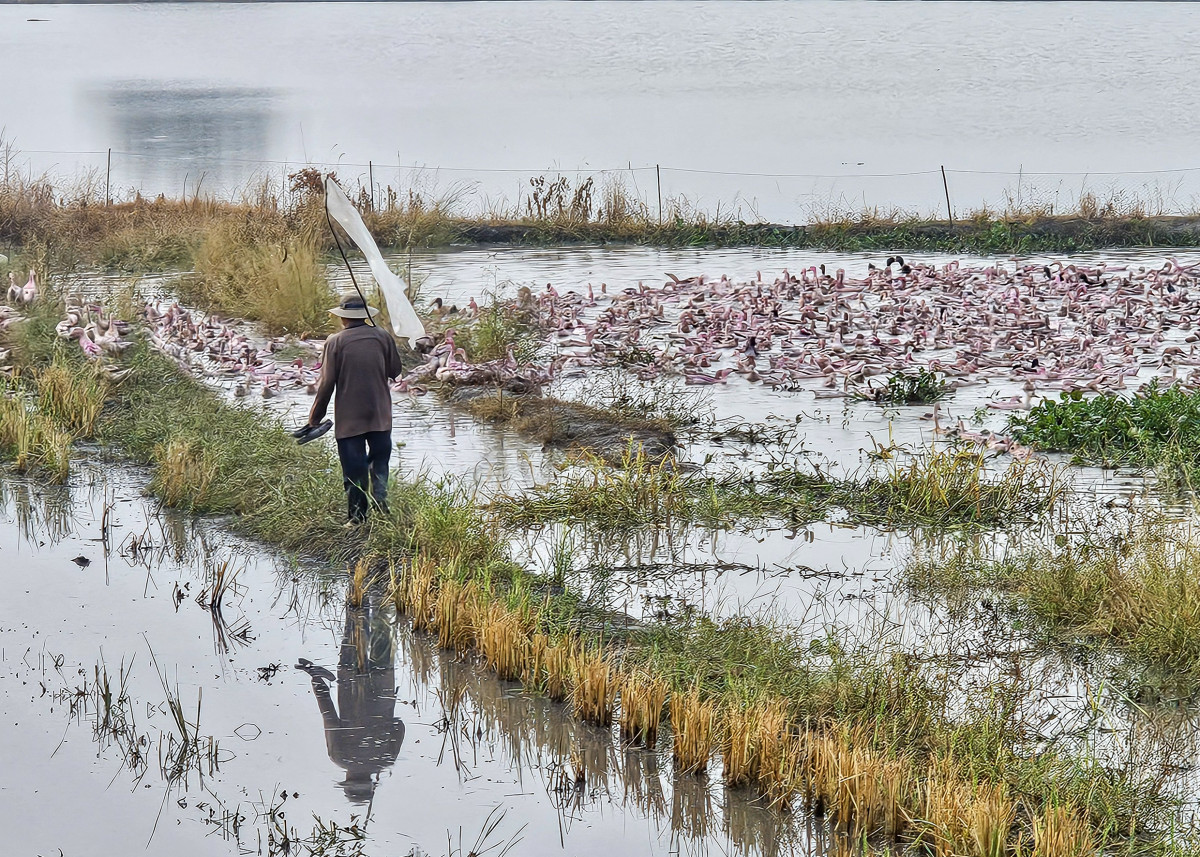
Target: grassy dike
{"type": "Point", "coordinates": [59, 227]}
{"type": "Point", "coordinates": [876, 740]}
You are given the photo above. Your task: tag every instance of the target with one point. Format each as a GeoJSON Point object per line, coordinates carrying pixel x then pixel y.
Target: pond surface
{"type": "Point", "coordinates": [841, 104]}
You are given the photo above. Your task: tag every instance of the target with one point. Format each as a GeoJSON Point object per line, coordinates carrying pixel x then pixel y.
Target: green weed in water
{"type": "Point", "coordinates": [1157, 427]}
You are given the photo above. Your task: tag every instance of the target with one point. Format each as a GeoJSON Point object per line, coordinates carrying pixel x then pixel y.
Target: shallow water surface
{"type": "Point", "coordinates": [408, 741]}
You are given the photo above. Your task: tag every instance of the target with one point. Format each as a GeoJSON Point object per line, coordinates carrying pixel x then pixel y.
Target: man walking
{"type": "Point", "coordinates": [358, 362]}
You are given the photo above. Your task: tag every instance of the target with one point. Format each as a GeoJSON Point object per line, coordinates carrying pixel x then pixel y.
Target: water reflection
{"type": "Point", "coordinates": [362, 732]}
{"type": "Point", "coordinates": [173, 138]}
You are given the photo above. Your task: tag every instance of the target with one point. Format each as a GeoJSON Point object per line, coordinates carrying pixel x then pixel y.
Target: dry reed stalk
{"type": "Point", "coordinates": [693, 721]}
{"type": "Point", "coordinates": [456, 615]}
{"type": "Point", "coordinates": [946, 804]}
{"type": "Point", "coordinates": [1061, 831]}
{"type": "Point", "coordinates": [642, 699]}
{"type": "Point", "coordinates": [414, 591]}
{"type": "Point", "coordinates": [184, 474]}
{"type": "Point", "coordinates": [361, 579]}
{"type": "Point", "coordinates": [819, 770]}
{"type": "Point", "coordinates": [549, 666]}
{"type": "Point", "coordinates": [593, 687]}
{"type": "Point", "coordinates": [989, 820]}
{"type": "Point", "coordinates": [773, 755]}
{"type": "Point", "coordinates": [878, 789]}
{"type": "Point", "coordinates": [504, 640]}
{"type": "Point", "coordinates": [740, 749]}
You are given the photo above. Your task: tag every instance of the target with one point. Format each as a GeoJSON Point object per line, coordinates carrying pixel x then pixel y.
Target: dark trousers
{"type": "Point", "coordinates": [364, 459]}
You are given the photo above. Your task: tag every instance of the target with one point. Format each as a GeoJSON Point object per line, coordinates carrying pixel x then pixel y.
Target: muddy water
{"type": "Point", "coordinates": [722, 572]}
{"type": "Point", "coordinates": [565, 787]}
{"type": "Point", "coordinates": [137, 612]}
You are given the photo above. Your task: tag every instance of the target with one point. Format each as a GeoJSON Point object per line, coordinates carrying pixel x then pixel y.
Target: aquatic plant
{"type": "Point", "coordinates": [1155, 427]}
{"type": "Point", "coordinates": [904, 388]}
{"type": "Point", "coordinates": [693, 726]}
{"type": "Point", "coordinates": [593, 685]}
{"type": "Point", "coordinates": [1134, 591]}
{"type": "Point", "coordinates": [640, 492]}
{"type": "Point", "coordinates": [500, 328]}
{"type": "Point", "coordinates": [946, 486]}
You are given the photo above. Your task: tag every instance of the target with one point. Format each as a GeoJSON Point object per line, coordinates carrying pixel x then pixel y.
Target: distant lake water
{"type": "Point", "coordinates": [778, 107]}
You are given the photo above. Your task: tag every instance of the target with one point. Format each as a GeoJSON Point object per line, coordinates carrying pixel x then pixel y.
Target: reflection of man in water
{"type": "Point", "coordinates": [364, 738]}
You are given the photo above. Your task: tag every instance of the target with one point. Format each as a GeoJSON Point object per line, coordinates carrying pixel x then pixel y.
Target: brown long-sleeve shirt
{"type": "Point", "coordinates": [358, 362]}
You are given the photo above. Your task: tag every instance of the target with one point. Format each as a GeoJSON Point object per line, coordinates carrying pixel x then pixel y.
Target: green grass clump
{"type": "Point", "coordinates": [242, 271]}
{"type": "Point", "coordinates": [934, 487]}
{"type": "Point", "coordinates": [640, 492]}
{"type": "Point", "coordinates": [903, 388]}
{"type": "Point", "coordinates": [500, 328]}
{"type": "Point", "coordinates": [1135, 594]}
{"type": "Point", "coordinates": [1156, 427]}
{"type": "Point", "coordinates": [952, 486]}
{"type": "Point", "coordinates": [30, 439]}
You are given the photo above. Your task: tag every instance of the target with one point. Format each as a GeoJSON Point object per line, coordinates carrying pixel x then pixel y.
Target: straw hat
{"type": "Point", "coordinates": [354, 307]}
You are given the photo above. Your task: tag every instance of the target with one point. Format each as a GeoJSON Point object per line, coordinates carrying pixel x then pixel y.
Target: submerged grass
{"type": "Point", "coordinates": [1136, 593]}
{"type": "Point", "coordinates": [934, 487]}
{"type": "Point", "coordinates": [640, 492]}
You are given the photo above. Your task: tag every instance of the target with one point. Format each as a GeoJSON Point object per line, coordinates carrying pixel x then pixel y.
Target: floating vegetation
{"type": "Point", "coordinates": [942, 486]}
{"type": "Point", "coordinates": [934, 487]}
{"type": "Point", "coordinates": [1157, 427]}
{"type": "Point", "coordinates": [499, 330]}
{"type": "Point", "coordinates": [904, 388]}
{"type": "Point", "coordinates": [642, 492]}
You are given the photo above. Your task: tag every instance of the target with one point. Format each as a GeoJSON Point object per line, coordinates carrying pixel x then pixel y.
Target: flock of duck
{"type": "Point", "coordinates": [1044, 327]}
{"type": "Point", "coordinates": [1036, 328]}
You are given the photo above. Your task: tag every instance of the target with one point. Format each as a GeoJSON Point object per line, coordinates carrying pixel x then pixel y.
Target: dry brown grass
{"type": "Point", "coordinates": [183, 475]}
{"type": "Point", "coordinates": [549, 666]}
{"type": "Point", "coordinates": [456, 614]}
{"type": "Point", "coordinates": [642, 699]}
{"type": "Point", "coordinates": [593, 686]}
{"type": "Point", "coordinates": [504, 640]}
{"type": "Point", "coordinates": [361, 579]}
{"type": "Point", "coordinates": [1061, 831]}
{"type": "Point", "coordinates": [413, 590]}
{"type": "Point", "coordinates": [694, 723]}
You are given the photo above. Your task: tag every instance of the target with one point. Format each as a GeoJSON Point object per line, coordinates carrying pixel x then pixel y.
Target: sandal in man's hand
{"type": "Point", "coordinates": [307, 433]}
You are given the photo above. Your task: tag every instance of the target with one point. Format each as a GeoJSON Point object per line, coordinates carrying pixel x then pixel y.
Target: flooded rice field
{"type": "Point", "coordinates": [193, 692]}
{"type": "Point", "coordinates": [103, 586]}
